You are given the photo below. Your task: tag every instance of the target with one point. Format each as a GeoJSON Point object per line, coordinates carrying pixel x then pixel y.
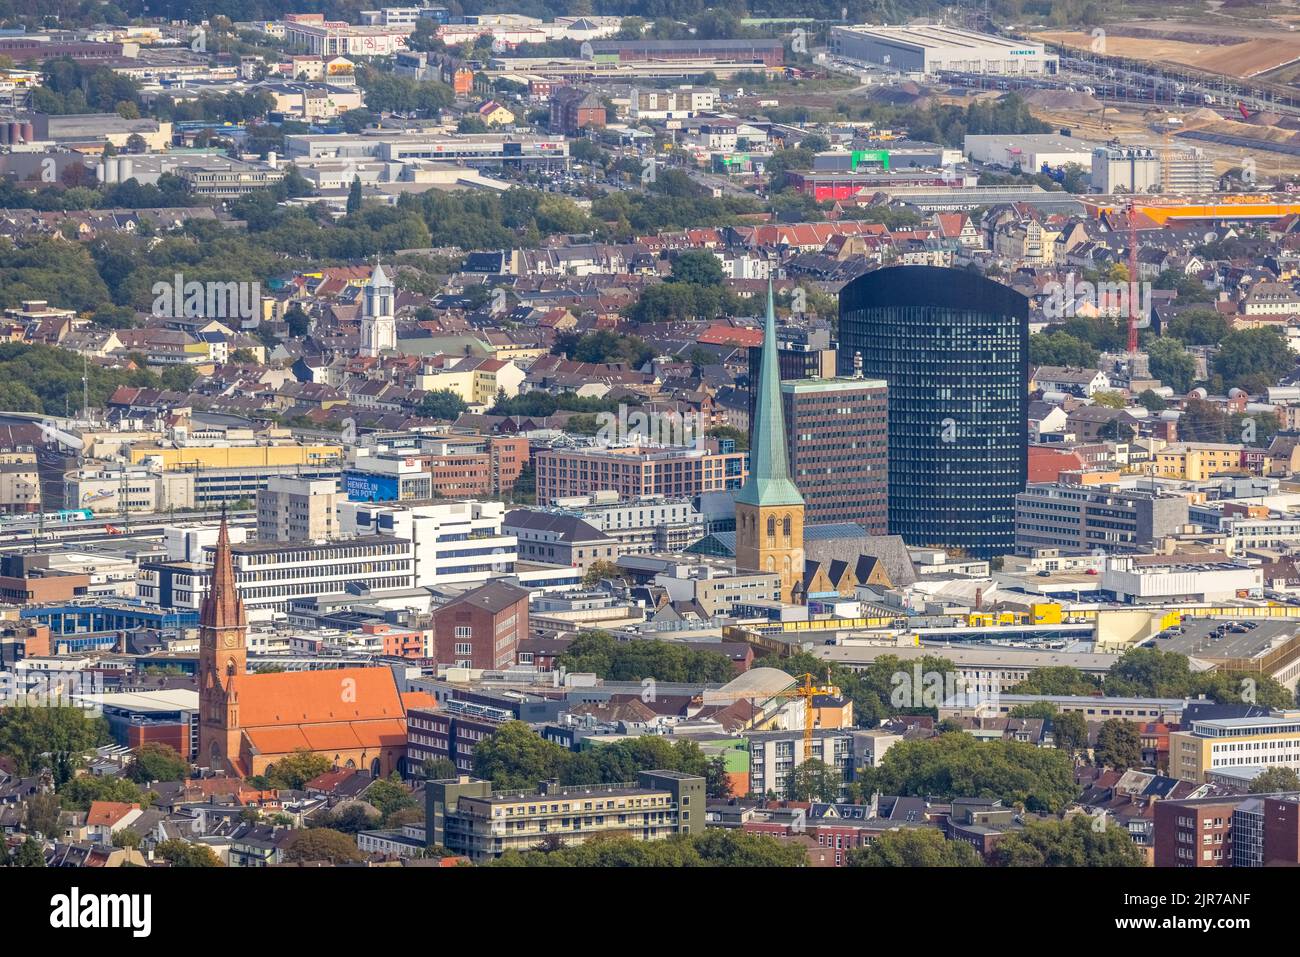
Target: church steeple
{"type": "Point", "coordinates": [223, 660]}
{"type": "Point", "coordinates": [769, 480]}
{"type": "Point", "coordinates": [770, 508]}
{"type": "Point", "coordinates": [378, 323]}
{"type": "Point", "coordinates": [222, 606]}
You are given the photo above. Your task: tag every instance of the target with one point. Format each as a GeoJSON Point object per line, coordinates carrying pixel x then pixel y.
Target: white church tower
{"type": "Point", "coordinates": [378, 324]}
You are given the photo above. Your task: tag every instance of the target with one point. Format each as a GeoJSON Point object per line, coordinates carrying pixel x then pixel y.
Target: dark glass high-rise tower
{"type": "Point", "coordinates": [954, 349]}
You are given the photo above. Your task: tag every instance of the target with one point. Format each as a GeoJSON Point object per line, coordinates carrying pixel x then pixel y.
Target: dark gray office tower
{"type": "Point", "coordinates": [954, 349]}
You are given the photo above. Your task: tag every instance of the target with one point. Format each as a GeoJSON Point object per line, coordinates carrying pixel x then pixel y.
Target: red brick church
{"type": "Point", "coordinates": [355, 717]}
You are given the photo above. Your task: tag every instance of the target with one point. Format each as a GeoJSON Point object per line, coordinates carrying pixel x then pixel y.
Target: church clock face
{"type": "Point", "coordinates": [230, 641]}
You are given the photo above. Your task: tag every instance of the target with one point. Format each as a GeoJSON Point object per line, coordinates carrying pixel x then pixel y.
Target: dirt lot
{"type": "Point", "coordinates": [1248, 58]}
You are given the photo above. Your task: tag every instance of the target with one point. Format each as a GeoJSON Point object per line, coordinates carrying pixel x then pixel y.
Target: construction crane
{"type": "Point", "coordinates": [1132, 278]}
{"type": "Point", "coordinates": [808, 690]}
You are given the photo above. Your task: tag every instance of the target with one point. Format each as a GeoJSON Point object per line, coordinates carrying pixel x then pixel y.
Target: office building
{"type": "Point", "coordinates": [1209, 746]}
{"type": "Point", "coordinates": [1083, 518]}
{"type": "Point", "coordinates": [953, 348]}
{"type": "Point", "coordinates": [934, 48]}
{"type": "Point", "coordinates": [271, 575]}
{"type": "Point", "coordinates": [454, 543]}
{"type": "Point", "coordinates": [636, 471]}
{"type": "Point", "coordinates": [293, 509]}
{"type": "Point", "coordinates": [451, 731]}
{"type": "Point", "coordinates": [482, 628]}
{"type": "Point", "coordinates": [837, 435]}
{"type": "Point", "coordinates": [801, 353]}
{"type": "Point", "coordinates": [466, 817]}
{"type": "Point", "coordinates": [1243, 830]}
{"type": "Point", "coordinates": [650, 524]}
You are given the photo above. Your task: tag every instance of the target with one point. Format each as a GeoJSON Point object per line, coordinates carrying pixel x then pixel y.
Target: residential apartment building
{"type": "Point", "coordinates": [466, 817]}
{"type": "Point", "coordinates": [774, 756]}
{"type": "Point", "coordinates": [1079, 518]}
{"type": "Point", "coordinates": [634, 472]}
{"type": "Point", "coordinates": [1197, 462]}
{"type": "Point", "coordinates": [293, 509]}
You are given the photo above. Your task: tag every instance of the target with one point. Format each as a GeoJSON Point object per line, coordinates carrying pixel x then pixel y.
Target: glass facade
{"type": "Point", "coordinates": [953, 347]}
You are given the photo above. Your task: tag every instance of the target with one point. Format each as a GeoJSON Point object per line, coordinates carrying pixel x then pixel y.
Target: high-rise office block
{"type": "Point", "coordinates": [953, 348]}
{"type": "Point", "coordinates": [837, 433]}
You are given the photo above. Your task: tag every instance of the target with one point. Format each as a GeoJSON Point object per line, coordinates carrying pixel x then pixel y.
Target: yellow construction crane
{"type": "Point", "coordinates": [808, 690]}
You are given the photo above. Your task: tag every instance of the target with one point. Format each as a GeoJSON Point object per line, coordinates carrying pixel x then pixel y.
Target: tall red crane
{"type": "Point", "coordinates": [1134, 299]}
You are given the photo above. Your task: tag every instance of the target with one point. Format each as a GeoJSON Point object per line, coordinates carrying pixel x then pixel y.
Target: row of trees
{"type": "Point", "coordinates": [600, 653]}
{"type": "Point", "coordinates": [517, 757]}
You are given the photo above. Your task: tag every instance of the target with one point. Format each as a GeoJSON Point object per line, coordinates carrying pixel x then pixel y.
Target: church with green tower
{"type": "Point", "coordinates": [769, 508]}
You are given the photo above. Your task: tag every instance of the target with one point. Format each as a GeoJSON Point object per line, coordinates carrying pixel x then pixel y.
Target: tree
{"type": "Point", "coordinates": [1076, 842]}
{"type": "Point", "coordinates": [813, 780]}
{"type": "Point", "coordinates": [125, 837]}
{"type": "Point", "coordinates": [157, 762]}
{"type": "Point", "coordinates": [322, 844]}
{"type": "Point", "coordinates": [517, 757]}
{"type": "Point", "coordinates": [292, 772]}
{"type": "Point", "coordinates": [600, 569]}
{"type": "Point", "coordinates": [354, 196]}
{"type": "Point", "coordinates": [182, 853]}
{"type": "Point", "coordinates": [1151, 401]}
{"type": "Point", "coordinates": [30, 853]}
{"type": "Point", "coordinates": [1172, 364]}
{"type": "Point", "coordinates": [439, 769]}
{"type": "Point", "coordinates": [731, 432]}
{"type": "Point", "coordinates": [442, 404]}
{"type": "Point", "coordinates": [697, 267]}
{"type": "Point", "coordinates": [1275, 779]}
{"type": "Point", "coordinates": [914, 847]}
{"type": "Point", "coordinates": [299, 322]}
{"type": "Point", "coordinates": [635, 660]}
{"type": "Point", "coordinates": [27, 733]}
{"type": "Point", "coordinates": [717, 781]}
{"type": "Point", "coordinates": [81, 791]}
{"type": "Point", "coordinates": [44, 811]}
{"type": "Point", "coordinates": [389, 795]}
{"type": "Point", "coordinates": [1109, 400]}
{"type": "Point", "coordinates": [1057, 680]}
{"type": "Point", "coordinates": [1118, 745]}
{"type": "Point", "coordinates": [956, 765]}
{"type": "Point", "coordinates": [1253, 359]}
{"type": "Point", "coordinates": [1070, 731]}
{"type": "Point", "coordinates": [1061, 349]}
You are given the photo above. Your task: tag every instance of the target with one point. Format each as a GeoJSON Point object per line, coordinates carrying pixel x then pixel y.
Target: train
{"type": "Point", "coordinates": [66, 516]}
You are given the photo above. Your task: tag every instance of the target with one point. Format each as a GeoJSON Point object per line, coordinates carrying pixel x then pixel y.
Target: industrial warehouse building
{"type": "Point", "coordinates": [935, 48]}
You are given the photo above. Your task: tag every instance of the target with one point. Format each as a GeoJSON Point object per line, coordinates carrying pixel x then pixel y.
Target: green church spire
{"type": "Point", "coordinates": [769, 467]}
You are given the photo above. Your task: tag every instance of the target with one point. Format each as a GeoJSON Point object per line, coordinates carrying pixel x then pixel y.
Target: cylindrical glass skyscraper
{"type": "Point", "coordinates": [954, 348]}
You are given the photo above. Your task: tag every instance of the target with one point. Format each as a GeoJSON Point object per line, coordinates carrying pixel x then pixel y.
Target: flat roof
{"type": "Point", "coordinates": [981, 655]}
{"type": "Point", "coordinates": [1198, 639]}
{"type": "Point", "coordinates": [174, 699]}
